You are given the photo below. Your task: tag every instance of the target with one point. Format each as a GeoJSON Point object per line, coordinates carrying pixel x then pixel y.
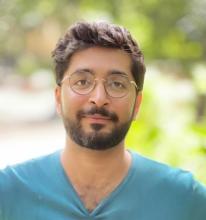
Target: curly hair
{"type": "Point", "coordinates": [84, 35]}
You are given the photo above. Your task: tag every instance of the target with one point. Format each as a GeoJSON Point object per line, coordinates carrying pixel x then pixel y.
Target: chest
{"type": "Point", "coordinates": [91, 196]}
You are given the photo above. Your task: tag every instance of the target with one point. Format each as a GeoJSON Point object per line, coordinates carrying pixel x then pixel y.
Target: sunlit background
{"type": "Point", "coordinates": [171, 125]}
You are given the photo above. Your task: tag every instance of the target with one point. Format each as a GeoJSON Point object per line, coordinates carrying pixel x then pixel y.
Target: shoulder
{"type": "Point", "coordinates": [12, 176]}
{"type": "Point", "coordinates": [161, 172]}
{"type": "Point", "coordinates": [178, 185]}
{"type": "Point", "coordinates": [23, 183]}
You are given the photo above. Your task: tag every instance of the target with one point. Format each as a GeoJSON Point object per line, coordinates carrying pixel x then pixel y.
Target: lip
{"type": "Point", "coordinates": [96, 118]}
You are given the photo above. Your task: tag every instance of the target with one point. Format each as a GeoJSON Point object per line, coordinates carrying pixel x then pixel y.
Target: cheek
{"type": "Point", "coordinates": [71, 103]}
{"type": "Point", "coordinates": [125, 111]}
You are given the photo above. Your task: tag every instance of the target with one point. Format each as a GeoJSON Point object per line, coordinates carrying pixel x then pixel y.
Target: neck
{"type": "Point", "coordinates": [92, 166]}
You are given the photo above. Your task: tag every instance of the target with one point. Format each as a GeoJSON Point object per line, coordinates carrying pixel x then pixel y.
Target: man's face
{"type": "Point", "coordinates": [97, 120]}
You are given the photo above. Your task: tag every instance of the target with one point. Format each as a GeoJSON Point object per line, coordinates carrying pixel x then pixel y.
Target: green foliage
{"type": "Point", "coordinates": [166, 130]}
{"type": "Point", "coordinates": [165, 29]}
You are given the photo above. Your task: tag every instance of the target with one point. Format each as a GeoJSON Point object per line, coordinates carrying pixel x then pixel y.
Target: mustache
{"type": "Point", "coordinates": [100, 111]}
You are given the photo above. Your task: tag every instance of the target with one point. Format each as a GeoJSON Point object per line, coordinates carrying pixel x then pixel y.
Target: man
{"type": "Point", "coordinates": [99, 73]}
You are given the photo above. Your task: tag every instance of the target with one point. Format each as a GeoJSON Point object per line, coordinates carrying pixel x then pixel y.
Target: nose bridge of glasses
{"type": "Point", "coordinates": [98, 94]}
{"type": "Point", "coordinates": [99, 84]}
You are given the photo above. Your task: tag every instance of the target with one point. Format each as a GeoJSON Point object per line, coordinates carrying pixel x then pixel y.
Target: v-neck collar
{"type": "Point", "coordinates": [104, 201]}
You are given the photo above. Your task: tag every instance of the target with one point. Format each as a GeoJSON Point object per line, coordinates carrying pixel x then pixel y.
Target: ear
{"type": "Point", "coordinates": [137, 105]}
{"type": "Point", "coordinates": [58, 99]}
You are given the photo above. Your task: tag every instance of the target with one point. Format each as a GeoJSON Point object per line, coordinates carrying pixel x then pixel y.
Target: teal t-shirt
{"type": "Point", "coordinates": [40, 190]}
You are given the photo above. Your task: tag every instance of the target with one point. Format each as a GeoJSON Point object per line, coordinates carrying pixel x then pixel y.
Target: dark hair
{"type": "Point", "coordinates": [84, 35]}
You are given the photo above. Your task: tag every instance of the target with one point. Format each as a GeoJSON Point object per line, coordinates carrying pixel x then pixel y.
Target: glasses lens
{"type": "Point", "coordinates": [117, 85]}
{"type": "Point", "coordinates": [82, 82]}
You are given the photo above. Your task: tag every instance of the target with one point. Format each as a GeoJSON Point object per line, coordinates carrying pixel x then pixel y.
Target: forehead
{"type": "Point", "coordinates": [101, 61]}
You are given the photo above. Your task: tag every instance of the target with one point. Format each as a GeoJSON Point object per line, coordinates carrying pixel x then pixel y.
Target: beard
{"type": "Point", "coordinates": [96, 139]}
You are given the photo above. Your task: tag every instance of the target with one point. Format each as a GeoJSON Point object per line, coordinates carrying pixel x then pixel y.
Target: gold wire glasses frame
{"type": "Point", "coordinates": [115, 85]}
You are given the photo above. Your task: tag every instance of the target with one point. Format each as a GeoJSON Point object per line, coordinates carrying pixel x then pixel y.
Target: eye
{"type": "Point", "coordinates": [117, 84]}
{"type": "Point", "coordinates": [82, 82]}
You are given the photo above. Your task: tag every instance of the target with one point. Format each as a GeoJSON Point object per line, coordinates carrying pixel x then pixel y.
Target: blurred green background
{"type": "Point", "coordinates": [171, 125]}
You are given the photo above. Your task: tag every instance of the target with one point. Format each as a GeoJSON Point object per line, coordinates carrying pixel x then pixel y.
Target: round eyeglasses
{"type": "Point", "coordinates": [116, 85]}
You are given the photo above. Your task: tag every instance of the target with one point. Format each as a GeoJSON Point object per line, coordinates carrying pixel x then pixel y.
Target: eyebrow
{"type": "Point", "coordinates": [119, 72]}
{"type": "Point", "coordinates": [110, 72]}
{"type": "Point", "coordinates": [84, 70]}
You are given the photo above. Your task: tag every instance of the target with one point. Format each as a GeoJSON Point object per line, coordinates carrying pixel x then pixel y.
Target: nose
{"type": "Point", "coordinates": [99, 96]}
